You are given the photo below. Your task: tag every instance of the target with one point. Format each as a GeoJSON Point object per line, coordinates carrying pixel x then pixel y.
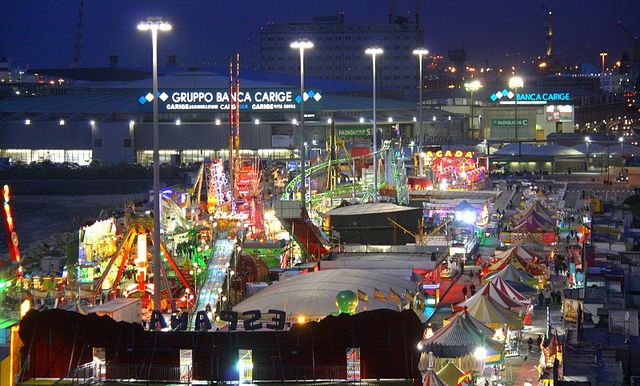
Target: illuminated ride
{"type": "Point", "coordinates": [127, 271]}
{"type": "Point", "coordinates": [249, 197]}
{"type": "Point", "coordinates": [336, 191]}
{"type": "Point", "coordinates": [448, 169]}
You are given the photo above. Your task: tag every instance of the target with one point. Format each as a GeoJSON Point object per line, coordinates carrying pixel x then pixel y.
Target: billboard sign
{"type": "Point", "coordinates": [353, 364]}
{"type": "Point", "coordinates": [570, 309]}
{"type": "Point", "coordinates": [522, 122]}
{"type": "Point", "coordinates": [354, 132]}
{"type": "Point", "coordinates": [254, 99]}
{"type": "Point", "coordinates": [508, 97]}
{"type": "Point", "coordinates": [558, 113]}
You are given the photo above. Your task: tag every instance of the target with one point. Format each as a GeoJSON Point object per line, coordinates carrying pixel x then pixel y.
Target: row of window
{"type": "Point", "coordinates": [80, 157]}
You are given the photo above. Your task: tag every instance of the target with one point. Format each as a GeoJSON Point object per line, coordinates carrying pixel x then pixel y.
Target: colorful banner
{"type": "Point", "coordinates": [570, 309]}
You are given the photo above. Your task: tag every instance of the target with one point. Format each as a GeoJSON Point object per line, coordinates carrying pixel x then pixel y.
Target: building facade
{"type": "Point", "coordinates": [339, 50]}
{"type": "Point", "coordinates": [112, 122]}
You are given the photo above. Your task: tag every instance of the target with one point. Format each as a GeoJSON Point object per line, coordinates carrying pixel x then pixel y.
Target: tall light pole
{"type": "Point", "coordinates": [420, 52]}
{"type": "Point", "coordinates": [621, 140]}
{"type": "Point", "coordinates": [587, 140]}
{"type": "Point", "coordinates": [302, 45]}
{"type": "Point", "coordinates": [515, 83]}
{"type": "Point", "coordinates": [374, 51]}
{"type": "Point", "coordinates": [155, 24]}
{"type": "Point", "coordinates": [472, 87]}
{"type": "Point", "coordinates": [602, 56]}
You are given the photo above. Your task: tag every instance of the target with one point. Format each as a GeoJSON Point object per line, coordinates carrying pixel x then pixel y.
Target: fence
{"type": "Point", "coordinates": [112, 372]}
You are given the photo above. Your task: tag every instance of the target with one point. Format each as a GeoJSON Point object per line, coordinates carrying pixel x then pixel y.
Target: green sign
{"type": "Point", "coordinates": [353, 132]}
{"type": "Point", "coordinates": [524, 122]}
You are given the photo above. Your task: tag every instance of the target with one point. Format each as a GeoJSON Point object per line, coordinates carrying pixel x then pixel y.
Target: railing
{"type": "Point", "coordinates": [299, 373]}
{"type": "Point", "coordinates": [108, 372]}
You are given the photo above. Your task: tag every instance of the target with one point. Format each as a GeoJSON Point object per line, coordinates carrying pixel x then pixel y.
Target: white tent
{"type": "Point", "coordinates": [313, 295]}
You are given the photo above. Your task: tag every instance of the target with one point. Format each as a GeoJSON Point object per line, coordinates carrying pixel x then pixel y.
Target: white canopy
{"type": "Point", "coordinates": [313, 295]}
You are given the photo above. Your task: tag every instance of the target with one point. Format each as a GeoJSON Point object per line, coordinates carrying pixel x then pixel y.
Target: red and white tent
{"type": "Point", "coordinates": [507, 289]}
{"type": "Point", "coordinates": [490, 290]}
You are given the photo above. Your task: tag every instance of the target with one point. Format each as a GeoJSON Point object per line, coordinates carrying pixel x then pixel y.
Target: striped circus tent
{"type": "Point", "coordinates": [523, 288]}
{"type": "Point", "coordinates": [507, 289]}
{"type": "Point", "coordinates": [520, 257]}
{"type": "Point", "coordinates": [453, 340]}
{"type": "Point", "coordinates": [537, 208]}
{"type": "Point", "coordinates": [493, 315]}
{"type": "Point", "coordinates": [490, 290]}
{"type": "Point", "coordinates": [472, 322]}
{"type": "Point", "coordinates": [512, 273]}
{"type": "Point", "coordinates": [430, 378]}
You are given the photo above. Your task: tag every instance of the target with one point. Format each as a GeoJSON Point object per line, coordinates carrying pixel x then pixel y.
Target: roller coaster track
{"type": "Point", "coordinates": [290, 188]}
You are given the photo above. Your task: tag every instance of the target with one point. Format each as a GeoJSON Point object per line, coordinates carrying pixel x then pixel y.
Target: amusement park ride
{"type": "Point", "coordinates": [204, 227]}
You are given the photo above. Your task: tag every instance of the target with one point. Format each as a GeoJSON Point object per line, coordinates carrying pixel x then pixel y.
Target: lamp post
{"type": "Point", "coordinates": [302, 45]}
{"type": "Point", "coordinates": [155, 24]}
{"type": "Point", "coordinates": [472, 87]}
{"type": "Point", "coordinates": [515, 83]}
{"type": "Point", "coordinates": [587, 140]}
{"type": "Point", "coordinates": [621, 140]}
{"type": "Point", "coordinates": [374, 51]}
{"type": "Point", "coordinates": [602, 56]}
{"type": "Point", "coordinates": [420, 52]}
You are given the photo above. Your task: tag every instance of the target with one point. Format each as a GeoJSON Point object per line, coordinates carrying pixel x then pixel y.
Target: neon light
{"type": "Point", "coordinates": [11, 237]}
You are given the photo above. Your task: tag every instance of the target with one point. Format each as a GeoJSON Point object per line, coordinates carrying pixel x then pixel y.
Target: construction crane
{"type": "Point", "coordinates": [77, 45]}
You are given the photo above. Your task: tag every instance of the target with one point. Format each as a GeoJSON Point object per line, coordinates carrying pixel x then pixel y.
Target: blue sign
{"type": "Point", "coordinates": [508, 96]}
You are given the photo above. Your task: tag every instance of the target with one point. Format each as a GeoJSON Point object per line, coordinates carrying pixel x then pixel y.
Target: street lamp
{"type": "Point", "coordinates": [472, 87]}
{"type": "Point", "coordinates": [621, 140]}
{"type": "Point", "coordinates": [603, 55]}
{"type": "Point", "coordinates": [374, 51]}
{"type": "Point", "coordinates": [587, 140]}
{"type": "Point", "coordinates": [155, 24]}
{"type": "Point", "coordinates": [302, 45]}
{"type": "Point", "coordinates": [515, 83]}
{"type": "Point", "coordinates": [420, 52]}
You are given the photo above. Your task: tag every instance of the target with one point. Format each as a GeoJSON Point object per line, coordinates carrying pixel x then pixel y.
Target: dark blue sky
{"type": "Point", "coordinates": [38, 33]}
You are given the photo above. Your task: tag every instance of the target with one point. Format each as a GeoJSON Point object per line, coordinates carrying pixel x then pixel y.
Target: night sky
{"type": "Point", "coordinates": [39, 33]}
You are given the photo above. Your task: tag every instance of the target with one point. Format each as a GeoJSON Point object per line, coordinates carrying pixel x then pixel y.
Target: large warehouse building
{"type": "Point", "coordinates": [112, 121]}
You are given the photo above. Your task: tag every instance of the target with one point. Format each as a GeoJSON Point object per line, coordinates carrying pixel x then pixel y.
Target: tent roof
{"type": "Point", "coordinates": [463, 206]}
{"type": "Point", "coordinates": [314, 294]}
{"type": "Point", "coordinates": [490, 313]}
{"type": "Point", "coordinates": [511, 273]}
{"type": "Point", "coordinates": [432, 379]}
{"type": "Point", "coordinates": [532, 223]}
{"type": "Point", "coordinates": [515, 148]}
{"type": "Point", "coordinates": [455, 339]}
{"type": "Point", "coordinates": [475, 323]}
{"type": "Point", "coordinates": [492, 291]}
{"type": "Point", "coordinates": [521, 287]}
{"type": "Point", "coordinates": [519, 256]}
{"type": "Point", "coordinates": [507, 289]}
{"type": "Point", "coordinates": [450, 374]}
{"type": "Point", "coordinates": [594, 148]}
{"type": "Point", "coordinates": [368, 208]}
{"type": "Point", "coordinates": [555, 150]}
